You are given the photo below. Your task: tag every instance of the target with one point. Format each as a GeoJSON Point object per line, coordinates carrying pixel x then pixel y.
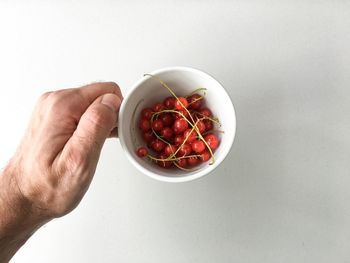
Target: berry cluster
{"type": "Point", "coordinates": [179, 132]}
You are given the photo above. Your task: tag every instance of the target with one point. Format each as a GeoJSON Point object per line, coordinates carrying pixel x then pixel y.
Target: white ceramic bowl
{"type": "Point", "coordinates": [182, 81]}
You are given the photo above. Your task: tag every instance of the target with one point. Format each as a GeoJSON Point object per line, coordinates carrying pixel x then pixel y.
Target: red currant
{"type": "Point", "coordinates": [163, 163]}
{"type": "Point", "coordinates": [195, 101]}
{"type": "Point", "coordinates": [201, 126]}
{"type": "Point", "coordinates": [157, 145]}
{"type": "Point", "coordinates": [167, 119]}
{"type": "Point", "coordinates": [208, 125]}
{"type": "Point", "coordinates": [158, 107]}
{"type": "Point", "coordinates": [181, 103]}
{"type": "Point", "coordinates": [185, 150]}
{"type": "Point", "coordinates": [169, 149]}
{"type": "Point", "coordinates": [212, 141]}
{"type": "Point", "coordinates": [146, 113]}
{"type": "Point", "coordinates": [180, 125]}
{"type": "Point", "coordinates": [167, 133]}
{"type": "Point", "coordinates": [190, 134]}
{"type": "Point", "coordinates": [157, 125]}
{"type": "Point", "coordinates": [148, 136]}
{"type": "Point", "coordinates": [206, 112]}
{"type": "Point", "coordinates": [205, 156]}
{"type": "Point", "coordinates": [169, 103]}
{"type": "Point", "coordinates": [182, 162]}
{"type": "Point", "coordinates": [198, 146]}
{"type": "Point", "coordinates": [193, 161]}
{"type": "Point", "coordinates": [178, 139]}
{"type": "Point", "coordinates": [183, 113]}
{"type": "Point", "coordinates": [145, 125]}
{"type": "Point", "coordinates": [142, 152]}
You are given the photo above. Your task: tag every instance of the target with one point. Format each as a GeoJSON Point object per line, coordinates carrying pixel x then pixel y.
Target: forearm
{"type": "Point", "coordinates": [18, 220]}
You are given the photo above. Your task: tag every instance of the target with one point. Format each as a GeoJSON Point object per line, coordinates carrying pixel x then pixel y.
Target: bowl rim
{"type": "Point", "coordinates": [180, 179]}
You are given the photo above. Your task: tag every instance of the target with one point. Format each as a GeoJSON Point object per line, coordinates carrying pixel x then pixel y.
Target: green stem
{"type": "Point", "coordinates": [171, 91]}
{"type": "Point", "coordinates": [197, 90]}
{"type": "Point", "coordinates": [184, 169]}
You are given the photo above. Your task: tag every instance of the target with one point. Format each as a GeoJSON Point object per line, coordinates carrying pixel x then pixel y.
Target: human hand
{"type": "Point", "coordinates": [56, 160]}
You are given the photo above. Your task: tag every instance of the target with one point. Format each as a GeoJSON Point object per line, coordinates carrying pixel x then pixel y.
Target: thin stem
{"type": "Point", "coordinates": [163, 83]}
{"type": "Point", "coordinates": [197, 90]}
{"type": "Point", "coordinates": [193, 125]}
{"type": "Point", "coordinates": [185, 140]}
{"type": "Point", "coordinates": [185, 169]}
{"type": "Point", "coordinates": [218, 131]}
{"type": "Point", "coordinates": [171, 91]}
{"type": "Point", "coordinates": [215, 120]}
{"type": "Point", "coordinates": [195, 100]}
{"type": "Point", "coordinates": [172, 159]}
{"type": "Point", "coordinates": [154, 132]}
{"type": "Point", "coordinates": [198, 132]}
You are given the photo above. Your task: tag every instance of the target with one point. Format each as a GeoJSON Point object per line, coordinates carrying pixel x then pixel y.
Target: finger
{"type": "Point", "coordinates": [93, 128]}
{"type": "Point", "coordinates": [95, 90]}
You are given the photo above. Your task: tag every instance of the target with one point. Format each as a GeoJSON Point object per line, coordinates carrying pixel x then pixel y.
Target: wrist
{"type": "Point", "coordinates": [15, 205]}
{"type": "Point", "coordinates": [18, 217]}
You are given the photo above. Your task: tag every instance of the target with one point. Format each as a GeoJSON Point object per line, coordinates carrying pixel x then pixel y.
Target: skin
{"type": "Point", "coordinates": [56, 160]}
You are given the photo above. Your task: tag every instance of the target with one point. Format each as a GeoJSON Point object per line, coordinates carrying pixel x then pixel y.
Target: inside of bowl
{"type": "Point", "coordinates": [150, 91]}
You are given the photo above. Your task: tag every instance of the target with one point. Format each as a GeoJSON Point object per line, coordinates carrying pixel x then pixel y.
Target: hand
{"type": "Point", "coordinates": [56, 160]}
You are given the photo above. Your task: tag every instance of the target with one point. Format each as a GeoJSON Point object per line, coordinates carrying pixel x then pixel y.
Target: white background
{"type": "Point", "coordinates": [282, 194]}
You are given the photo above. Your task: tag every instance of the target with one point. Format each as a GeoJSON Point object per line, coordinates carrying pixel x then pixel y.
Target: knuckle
{"type": "Point", "coordinates": [45, 95]}
{"type": "Point", "coordinates": [56, 97]}
{"type": "Point", "coordinates": [62, 102]}
{"type": "Point", "coordinates": [114, 85]}
{"type": "Point", "coordinates": [61, 98]}
{"type": "Point", "coordinates": [76, 161]}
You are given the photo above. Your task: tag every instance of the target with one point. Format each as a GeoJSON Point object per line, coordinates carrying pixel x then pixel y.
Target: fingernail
{"type": "Point", "coordinates": [112, 101]}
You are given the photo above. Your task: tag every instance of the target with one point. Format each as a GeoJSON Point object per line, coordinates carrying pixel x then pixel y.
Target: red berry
{"type": "Point", "coordinates": [180, 125]}
{"type": "Point", "coordinates": [177, 115]}
{"type": "Point", "coordinates": [195, 101]}
{"type": "Point", "coordinates": [157, 125]}
{"type": "Point", "coordinates": [182, 162]}
{"type": "Point", "coordinates": [192, 161]}
{"type": "Point", "coordinates": [146, 113]}
{"type": "Point", "coordinates": [181, 103]}
{"type": "Point", "coordinates": [157, 145]}
{"type": "Point", "coordinates": [148, 136]}
{"type": "Point", "coordinates": [208, 125]}
{"type": "Point", "coordinates": [142, 152]}
{"type": "Point", "coordinates": [191, 135]}
{"type": "Point", "coordinates": [145, 125]}
{"type": "Point", "coordinates": [167, 119]}
{"type": "Point", "coordinates": [205, 156]}
{"type": "Point", "coordinates": [178, 139]}
{"type": "Point", "coordinates": [158, 107]}
{"type": "Point", "coordinates": [212, 141]}
{"type": "Point", "coordinates": [169, 103]}
{"type": "Point", "coordinates": [167, 133]}
{"type": "Point", "coordinates": [201, 126]}
{"type": "Point", "coordinates": [164, 164]}
{"type": "Point", "coordinates": [183, 113]}
{"type": "Point", "coordinates": [169, 149]}
{"type": "Point", "coordinates": [185, 150]}
{"type": "Point", "coordinates": [205, 112]}
{"type": "Point", "coordinates": [198, 146]}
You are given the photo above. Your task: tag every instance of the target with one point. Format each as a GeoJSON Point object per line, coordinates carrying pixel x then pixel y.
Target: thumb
{"type": "Point", "coordinates": [95, 125]}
